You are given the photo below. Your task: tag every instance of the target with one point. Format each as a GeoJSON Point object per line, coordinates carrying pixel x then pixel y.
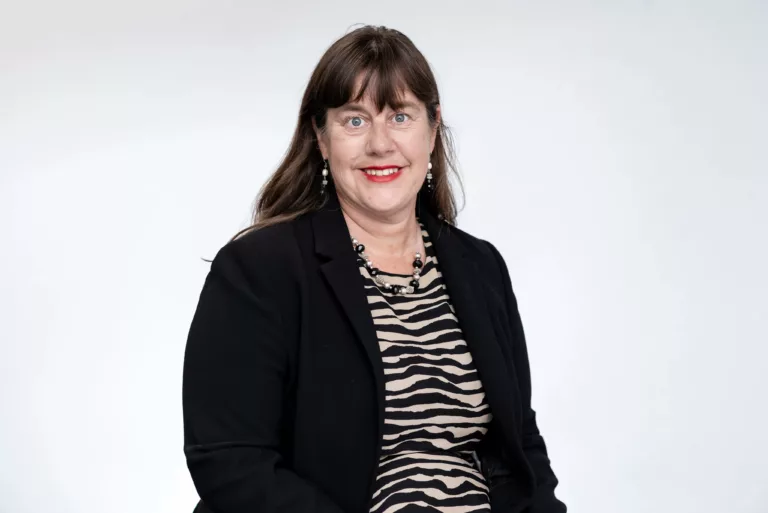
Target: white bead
{"type": "Point", "coordinates": [325, 172]}
{"type": "Point", "coordinates": [429, 166]}
{"type": "Point", "coordinates": [418, 256]}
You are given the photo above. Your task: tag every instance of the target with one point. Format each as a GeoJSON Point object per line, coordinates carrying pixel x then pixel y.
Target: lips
{"type": "Point", "coordinates": [380, 170]}
{"type": "Point", "coordinates": [381, 173]}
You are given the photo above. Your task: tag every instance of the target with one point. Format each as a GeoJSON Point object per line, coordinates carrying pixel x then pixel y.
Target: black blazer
{"type": "Point", "coordinates": [283, 388]}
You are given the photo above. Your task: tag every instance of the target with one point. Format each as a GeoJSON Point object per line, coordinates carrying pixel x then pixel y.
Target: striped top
{"type": "Point", "coordinates": [435, 409]}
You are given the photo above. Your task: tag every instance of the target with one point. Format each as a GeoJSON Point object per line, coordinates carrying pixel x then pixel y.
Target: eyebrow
{"type": "Point", "coordinates": [352, 107]}
{"type": "Point", "coordinates": [355, 107]}
{"type": "Point", "coordinates": [406, 104]}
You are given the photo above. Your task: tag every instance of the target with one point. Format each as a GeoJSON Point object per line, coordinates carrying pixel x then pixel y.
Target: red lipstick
{"type": "Point", "coordinates": [381, 174]}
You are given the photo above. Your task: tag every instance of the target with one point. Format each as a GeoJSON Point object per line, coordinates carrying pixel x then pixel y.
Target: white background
{"type": "Point", "coordinates": [615, 152]}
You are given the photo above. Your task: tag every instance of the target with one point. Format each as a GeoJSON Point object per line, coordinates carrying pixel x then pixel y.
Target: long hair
{"type": "Point", "coordinates": [389, 63]}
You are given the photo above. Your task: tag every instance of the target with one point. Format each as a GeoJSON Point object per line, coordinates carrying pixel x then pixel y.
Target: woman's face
{"type": "Point", "coordinates": [378, 160]}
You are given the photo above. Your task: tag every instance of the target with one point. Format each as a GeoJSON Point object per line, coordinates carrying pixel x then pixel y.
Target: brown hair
{"type": "Point", "coordinates": [389, 63]}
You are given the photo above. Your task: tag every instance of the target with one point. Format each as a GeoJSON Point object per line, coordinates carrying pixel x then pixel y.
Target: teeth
{"type": "Point", "coordinates": [381, 172]}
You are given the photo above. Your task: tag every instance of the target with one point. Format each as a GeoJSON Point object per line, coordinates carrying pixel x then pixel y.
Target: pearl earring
{"type": "Point", "coordinates": [429, 177]}
{"type": "Point", "coordinates": [325, 177]}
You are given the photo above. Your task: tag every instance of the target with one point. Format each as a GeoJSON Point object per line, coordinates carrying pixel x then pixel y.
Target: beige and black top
{"type": "Point", "coordinates": [436, 411]}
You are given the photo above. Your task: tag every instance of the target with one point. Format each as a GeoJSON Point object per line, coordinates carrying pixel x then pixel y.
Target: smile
{"type": "Point", "coordinates": [382, 174]}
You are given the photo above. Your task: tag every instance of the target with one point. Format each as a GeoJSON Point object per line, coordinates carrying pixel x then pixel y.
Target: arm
{"type": "Point", "coordinates": [234, 396]}
{"type": "Point", "coordinates": [544, 500]}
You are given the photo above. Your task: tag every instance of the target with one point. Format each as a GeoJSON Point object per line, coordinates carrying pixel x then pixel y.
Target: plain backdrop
{"type": "Point", "coordinates": [615, 152]}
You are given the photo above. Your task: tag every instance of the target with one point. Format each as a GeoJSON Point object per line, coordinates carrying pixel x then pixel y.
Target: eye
{"type": "Point", "coordinates": [401, 117]}
{"type": "Point", "coordinates": [354, 121]}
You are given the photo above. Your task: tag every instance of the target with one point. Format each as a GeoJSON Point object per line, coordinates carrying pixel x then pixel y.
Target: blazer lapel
{"type": "Point", "coordinates": [333, 243]}
{"type": "Point", "coordinates": [469, 297]}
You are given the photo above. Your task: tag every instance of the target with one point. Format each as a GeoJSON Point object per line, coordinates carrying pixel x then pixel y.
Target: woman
{"type": "Point", "coordinates": [354, 351]}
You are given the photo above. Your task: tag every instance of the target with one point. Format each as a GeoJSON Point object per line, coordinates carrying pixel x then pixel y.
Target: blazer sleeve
{"type": "Point", "coordinates": [544, 500]}
{"type": "Point", "coordinates": [234, 394]}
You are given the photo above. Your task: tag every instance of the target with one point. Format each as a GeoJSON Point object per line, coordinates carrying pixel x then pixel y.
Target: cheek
{"type": "Point", "coordinates": [345, 145]}
{"type": "Point", "coordinates": [420, 136]}
{"type": "Point", "coordinates": [415, 147]}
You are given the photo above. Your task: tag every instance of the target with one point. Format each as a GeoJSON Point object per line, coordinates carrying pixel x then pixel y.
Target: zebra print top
{"type": "Point", "coordinates": [435, 410]}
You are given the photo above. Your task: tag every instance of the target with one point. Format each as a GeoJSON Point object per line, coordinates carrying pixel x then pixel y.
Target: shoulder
{"type": "Point", "coordinates": [271, 243]}
{"type": "Point", "coordinates": [261, 258]}
{"type": "Point", "coordinates": [480, 250]}
{"type": "Point", "coordinates": [484, 254]}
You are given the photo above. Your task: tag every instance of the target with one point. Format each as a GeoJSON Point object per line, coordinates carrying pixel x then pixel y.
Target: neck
{"type": "Point", "coordinates": [392, 235]}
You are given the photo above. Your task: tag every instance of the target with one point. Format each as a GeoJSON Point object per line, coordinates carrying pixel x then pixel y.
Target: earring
{"type": "Point", "coordinates": [429, 177]}
{"type": "Point", "coordinates": [325, 177]}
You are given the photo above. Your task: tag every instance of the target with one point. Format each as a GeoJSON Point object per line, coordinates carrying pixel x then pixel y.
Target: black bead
{"type": "Point", "coordinates": [395, 289]}
{"type": "Point", "coordinates": [418, 264]}
{"type": "Point", "coordinates": [373, 271]}
{"type": "Point", "coordinates": [415, 284]}
{"type": "Point", "coordinates": [360, 248]}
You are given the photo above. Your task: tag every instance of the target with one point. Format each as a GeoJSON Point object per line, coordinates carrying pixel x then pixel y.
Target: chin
{"type": "Point", "coordinates": [387, 204]}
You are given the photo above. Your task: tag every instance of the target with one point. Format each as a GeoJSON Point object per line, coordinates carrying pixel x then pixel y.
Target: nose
{"type": "Point", "coordinates": [379, 140]}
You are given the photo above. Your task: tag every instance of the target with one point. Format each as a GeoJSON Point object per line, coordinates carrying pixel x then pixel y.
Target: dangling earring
{"type": "Point", "coordinates": [429, 177]}
{"type": "Point", "coordinates": [325, 177]}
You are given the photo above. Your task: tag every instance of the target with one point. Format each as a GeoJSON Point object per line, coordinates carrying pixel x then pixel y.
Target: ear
{"type": "Point", "coordinates": [320, 136]}
{"type": "Point", "coordinates": [433, 135]}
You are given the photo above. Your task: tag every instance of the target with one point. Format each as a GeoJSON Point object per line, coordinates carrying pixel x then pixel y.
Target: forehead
{"type": "Point", "coordinates": [404, 99]}
{"type": "Point", "coordinates": [375, 94]}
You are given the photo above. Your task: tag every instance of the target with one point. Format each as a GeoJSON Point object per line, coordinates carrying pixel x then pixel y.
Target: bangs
{"type": "Point", "coordinates": [385, 88]}
{"type": "Point", "coordinates": [382, 69]}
